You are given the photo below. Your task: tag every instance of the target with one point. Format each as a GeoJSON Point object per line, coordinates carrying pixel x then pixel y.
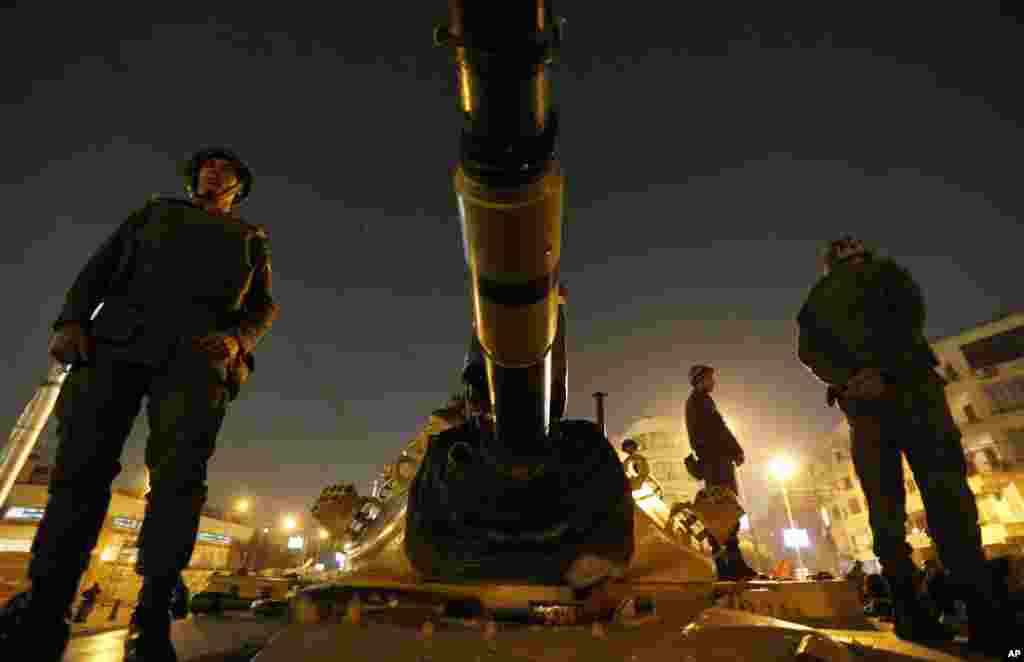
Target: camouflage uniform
{"type": "Point", "coordinates": [171, 273]}
{"type": "Point", "coordinates": [871, 315]}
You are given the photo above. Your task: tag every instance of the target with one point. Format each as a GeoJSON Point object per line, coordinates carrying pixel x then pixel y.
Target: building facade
{"type": "Point", "coordinates": [664, 443]}
{"type": "Point", "coordinates": [219, 543]}
{"type": "Point", "coordinates": [984, 366]}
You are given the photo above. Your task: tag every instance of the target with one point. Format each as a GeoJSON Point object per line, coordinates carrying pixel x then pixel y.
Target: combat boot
{"type": "Point", "coordinates": [149, 632]}
{"type": "Point", "coordinates": [24, 626]}
{"type": "Point", "coordinates": [991, 620]}
{"type": "Point", "coordinates": [912, 621]}
{"type": "Point", "coordinates": [739, 571]}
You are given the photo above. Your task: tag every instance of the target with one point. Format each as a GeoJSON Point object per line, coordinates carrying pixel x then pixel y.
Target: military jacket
{"type": "Point", "coordinates": [865, 316]}
{"type": "Point", "coordinates": [710, 438]}
{"type": "Point", "coordinates": [170, 273]}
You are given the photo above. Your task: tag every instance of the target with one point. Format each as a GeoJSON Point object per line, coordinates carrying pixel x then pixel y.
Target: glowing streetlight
{"type": "Point", "coordinates": [783, 468]}
{"type": "Point", "coordinates": [290, 523]}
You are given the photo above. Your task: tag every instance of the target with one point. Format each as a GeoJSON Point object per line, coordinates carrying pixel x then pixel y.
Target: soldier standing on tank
{"type": "Point", "coordinates": [861, 332]}
{"type": "Point", "coordinates": [719, 453]}
{"type": "Point", "coordinates": [186, 294]}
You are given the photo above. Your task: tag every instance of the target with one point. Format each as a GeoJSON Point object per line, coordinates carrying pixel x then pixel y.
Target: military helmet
{"type": "Point", "coordinates": [189, 170]}
{"type": "Point", "coordinates": [840, 250]}
{"type": "Point", "coordinates": [699, 372]}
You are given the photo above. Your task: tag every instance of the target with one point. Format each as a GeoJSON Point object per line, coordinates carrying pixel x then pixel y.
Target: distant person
{"type": "Point", "coordinates": [185, 288]}
{"type": "Point", "coordinates": [878, 599]}
{"type": "Point", "coordinates": [180, 599]}
{"type": "Point", "coordinates": [90, 597]}
{"type": "Point", "coordinates": [861, 332]}
{"type": "Point", "coordinates": [719, 454]}
{"type": "Point", "coordinates": [856, 577]}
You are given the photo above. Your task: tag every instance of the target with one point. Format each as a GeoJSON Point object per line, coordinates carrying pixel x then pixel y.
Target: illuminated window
{"type": "Point", "coordinates": [213, 537]}
{"type": "Point", "coordinates": [15, 545]}
{"type": "Point", "coordinates": [1006, 395]}
{"type": "Point", "coordinates": [24, 513]}
{"type": "Point", "coordinates": [126, 523]}
{"type": "Point", "coordinates": [1000, 348]}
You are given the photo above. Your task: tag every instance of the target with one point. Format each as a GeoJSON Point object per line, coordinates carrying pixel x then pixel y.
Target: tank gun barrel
{"type": "Point", "coordinates": [510, 192]}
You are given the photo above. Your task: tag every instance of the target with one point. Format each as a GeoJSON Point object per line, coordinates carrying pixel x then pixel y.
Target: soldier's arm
{"type": "Point", "coordinates": [693, 431]}
{"type": "Point", "coordinates": [823, 358]}
{"type": "Point", "coordinates": [259, 310]}
{"type": "Point", "coordinates": [93, 282]}
{"type": "Point", "coordinates": [898, 332]}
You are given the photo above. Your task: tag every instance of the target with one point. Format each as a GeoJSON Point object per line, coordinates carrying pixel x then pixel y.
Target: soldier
{"type": "Point", "coordinates": [719, 454]}
{"type": "Point", "coordinates": [861, 332]}
{"type": "Point", "coordinates": [185, 288]}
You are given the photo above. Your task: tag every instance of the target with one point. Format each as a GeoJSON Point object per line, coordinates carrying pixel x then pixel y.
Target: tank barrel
{"type": "Point", "coordinates": [510, 194]}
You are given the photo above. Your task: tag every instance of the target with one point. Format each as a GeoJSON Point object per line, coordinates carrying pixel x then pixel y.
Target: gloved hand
{"type": "Point", "coordinates": [867, 384]}
{"type": "Point", "coordinates": [71, 344]}
{"type": "Point", "coordinates": [219, 346]}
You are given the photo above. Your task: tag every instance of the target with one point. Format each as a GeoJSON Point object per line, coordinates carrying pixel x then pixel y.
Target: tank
{"type": "Point", "coordinates": [514, 493]}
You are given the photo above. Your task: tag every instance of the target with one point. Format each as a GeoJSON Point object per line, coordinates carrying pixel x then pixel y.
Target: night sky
{"type": "Point", "coordinates": [708, 157]}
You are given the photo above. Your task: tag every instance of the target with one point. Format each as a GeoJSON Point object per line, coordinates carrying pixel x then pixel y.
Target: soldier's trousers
{"type": "Point", "coordinates": [722, 473]}
{"type": "Point", "coordinates": [916, 421]}
{"type": "Point", "coordinates": [185, 404]}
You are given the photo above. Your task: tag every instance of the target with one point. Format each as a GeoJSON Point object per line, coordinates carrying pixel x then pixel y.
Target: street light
{"type": "Point", "coordinates": [290, 523]}
{"type": "Point", "coordinates": [782, 469]}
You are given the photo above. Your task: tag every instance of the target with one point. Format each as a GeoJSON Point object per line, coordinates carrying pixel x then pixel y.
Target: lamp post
{"type": "Point", "coordinates": [782, 469]}
{"type": "Point", "coordinates": [750, 524]}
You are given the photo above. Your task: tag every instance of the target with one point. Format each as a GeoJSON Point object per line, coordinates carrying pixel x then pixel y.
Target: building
{"type": "Point", "coordinates": [984, 366]}
{"type": "Point", "coordinates": [664, 443]}
{"type": "Point", "coordinates": [219, 543]}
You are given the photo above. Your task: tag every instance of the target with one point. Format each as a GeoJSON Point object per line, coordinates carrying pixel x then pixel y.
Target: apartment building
{"type": "Point", "coordinates": [985, 369]}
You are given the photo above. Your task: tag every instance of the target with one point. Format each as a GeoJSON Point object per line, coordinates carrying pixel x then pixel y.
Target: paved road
{"type": "Point", "coordinates": [197, 639]}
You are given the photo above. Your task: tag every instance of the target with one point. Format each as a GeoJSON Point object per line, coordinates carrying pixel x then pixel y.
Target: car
{"type": "Point", "coordinates": [270, 607]}
{"type": "Point", "coordinates": [214, 601]}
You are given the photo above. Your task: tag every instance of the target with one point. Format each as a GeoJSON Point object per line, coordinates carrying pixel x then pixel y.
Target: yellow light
{"type": "Point", "coordinates": [242, 505]}
{"type": "Point", "coordinates": [290, 523]}
{"type": "Point", "coordinates": [782, 468]}
{"type": "Point", "coordinates": [109, 553]}
{"type": "Point", "coordinates": [324, 534]}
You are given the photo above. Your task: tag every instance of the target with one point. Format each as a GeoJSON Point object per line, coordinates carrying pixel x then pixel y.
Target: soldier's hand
{"type": "Point", "coordinates": [219, 346]}
{"type": "Point", "coordinates": [71, 344]}
{"type": "Point", "coordinates": [867, 384]}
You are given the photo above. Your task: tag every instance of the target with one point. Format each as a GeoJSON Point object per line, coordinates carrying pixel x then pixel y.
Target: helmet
{"type": "Point", "coordinates": [189, 170]}
{"type": "Point", "coordinates": [840, 250]}
{"type": "Point", "coordinates": [699, 372]}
